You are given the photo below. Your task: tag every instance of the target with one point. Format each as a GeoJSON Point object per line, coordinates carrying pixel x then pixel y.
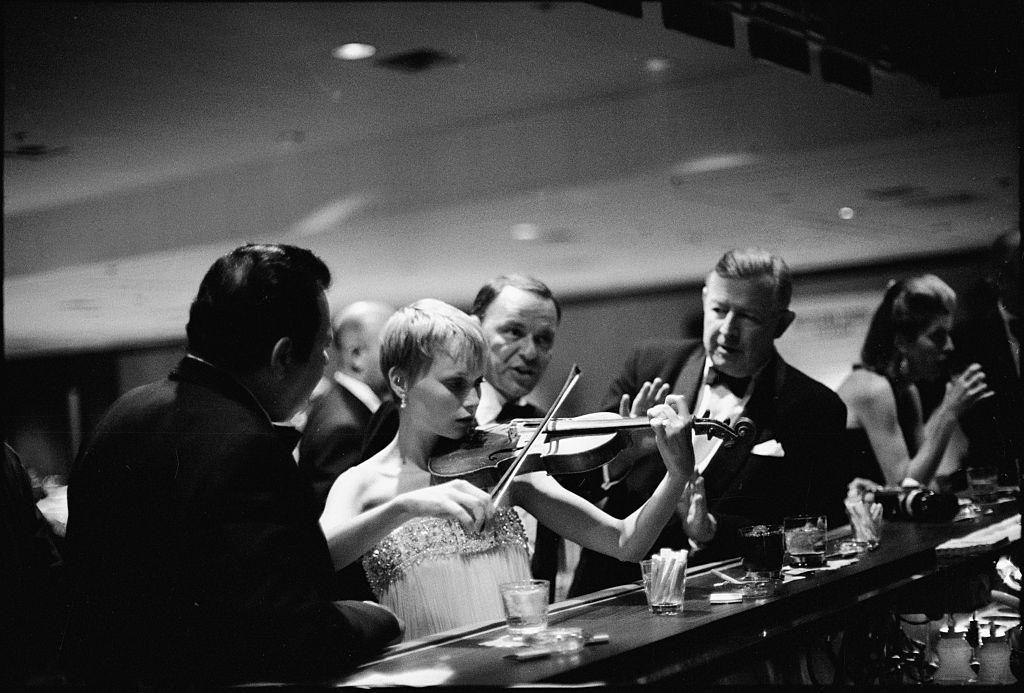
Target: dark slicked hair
{"type": "Point", "coordinates": [251, 298]}
{"type": "Point", "coordinates": [489, 291]}
{"type": "Point", "coordinates": [908, 307]}
{"type": "Point", "coordinates": [753, 263]}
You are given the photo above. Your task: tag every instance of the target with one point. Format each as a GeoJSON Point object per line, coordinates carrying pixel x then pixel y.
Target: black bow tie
{"type": "Point", "coordinates": [512, 410]}
{"type": "Point", "coordinates": [738, 386]}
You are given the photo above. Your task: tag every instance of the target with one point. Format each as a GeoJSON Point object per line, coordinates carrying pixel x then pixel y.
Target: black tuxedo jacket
{"type": "Point", "coordinates": [333, 437]}
{"type": "Point", "coordinates": [994, 426]}
{"type": "Point", "coordinates": [743, 488]}
{"type": "Point", "coordinates": [195, 549]}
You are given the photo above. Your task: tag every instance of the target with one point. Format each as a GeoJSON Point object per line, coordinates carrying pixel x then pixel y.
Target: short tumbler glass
{"type": "Point", "coordinates": [526, 606]}
{"type": "Point", "coordinates": [665, 588]}
{"type": "Point", "coordinates": [983, 484]}
{"type": "Point", "coordinates": [805, 540]}
{"type": "Point", "coordinates": [761, 547]}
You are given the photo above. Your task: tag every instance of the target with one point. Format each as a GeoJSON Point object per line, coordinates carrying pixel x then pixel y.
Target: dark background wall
{"type": "Point", "coordinates": [52, 402]}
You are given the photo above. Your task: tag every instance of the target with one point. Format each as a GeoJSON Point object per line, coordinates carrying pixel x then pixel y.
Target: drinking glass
{"type": "Point", "coordinates": [664, 580]}
{"type": "Point", "coordinates": [526, 606]}
{"type": "Point", "coordinates": [983, 483]}
{"type": "Point", "coordinates": [761, 547]}
{"type": "Point", "coordinates": [805, 540]}
{"type": "Point", "coordinates": [865, 525]}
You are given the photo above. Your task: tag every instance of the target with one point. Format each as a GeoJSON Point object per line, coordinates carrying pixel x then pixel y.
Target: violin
{"type": "Point", "coordinates": [564, 446]}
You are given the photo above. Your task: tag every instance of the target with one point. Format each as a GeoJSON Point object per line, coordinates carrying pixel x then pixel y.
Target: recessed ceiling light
{"type": "Point", "coordinates": [354, 51]}
{"type": "Point", "coordinates": [657, 64]}
{"type": "Point", "coordinates": [291, 137]}
{"type": "Point", "coordinates": [845, 213]}
{"type": "Point", "coordinates": [525, 232]}
{"type": "Point", "coordinates": [717, 162]}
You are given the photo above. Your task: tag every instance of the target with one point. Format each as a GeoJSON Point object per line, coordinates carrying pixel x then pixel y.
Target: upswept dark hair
{"type": "Point", "coordinates": [251, 298]}
{"type": "Point", "coordinates": [752, 263]}
{"type": "Point", "coordinates": [489, 291]}
{"type": "Point", "coordinates": [908, 307]}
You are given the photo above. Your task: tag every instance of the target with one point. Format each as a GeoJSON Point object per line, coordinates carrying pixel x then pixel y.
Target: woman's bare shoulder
{"type": "Point", "coordinates": [863, 384]}
{"type": "Point", "coordinates": [868, 396]}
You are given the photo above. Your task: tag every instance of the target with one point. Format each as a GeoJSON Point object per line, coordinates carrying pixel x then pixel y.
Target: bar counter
{"type": "Point", "coordinates": [702, 642]}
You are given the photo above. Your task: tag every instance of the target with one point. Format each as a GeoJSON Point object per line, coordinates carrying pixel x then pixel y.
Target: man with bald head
{"type": "Point", "coordinates": [346, 399]}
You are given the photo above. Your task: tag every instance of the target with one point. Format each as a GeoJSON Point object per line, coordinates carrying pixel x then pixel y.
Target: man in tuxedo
{"type": "Point", "coordinates": [519, 316]}
{"type": "Point", "coordinates": [193, 542]}
{"type": "Point", "coordinates": [992, 338]}
{"type": "Point", "coordinates": [785, 468]}
{"type": "Point", "coordinates": [332, 437]}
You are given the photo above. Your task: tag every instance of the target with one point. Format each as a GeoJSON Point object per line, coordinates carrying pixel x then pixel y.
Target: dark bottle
{"type": "Point", "coordinates": [917, 504]}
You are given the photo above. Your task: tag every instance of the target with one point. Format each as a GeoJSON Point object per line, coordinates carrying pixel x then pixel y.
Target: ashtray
{"type": "Point", "coordinates": [558, 640]}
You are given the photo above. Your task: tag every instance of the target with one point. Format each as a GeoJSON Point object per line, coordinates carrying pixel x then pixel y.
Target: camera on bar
{"type": "Point", "coordinates": [917, 503]}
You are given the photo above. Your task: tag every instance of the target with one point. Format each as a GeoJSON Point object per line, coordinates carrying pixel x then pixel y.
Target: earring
{"type": "Point", "coordinates": [402, 405]}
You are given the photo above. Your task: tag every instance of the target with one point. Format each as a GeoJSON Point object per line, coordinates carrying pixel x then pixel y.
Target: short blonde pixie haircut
{"type": "Point", "coordinates": [417, 333]}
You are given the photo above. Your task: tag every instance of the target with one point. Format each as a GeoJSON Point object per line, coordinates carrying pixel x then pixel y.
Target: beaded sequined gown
{"type": "Point", "coordinates": [434, 576]}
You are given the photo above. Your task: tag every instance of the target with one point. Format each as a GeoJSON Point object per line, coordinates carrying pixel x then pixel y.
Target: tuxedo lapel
{"type": "Point", "coordinates": [727, 463]}
{"type": "Point", "coordinates": [689, 380]}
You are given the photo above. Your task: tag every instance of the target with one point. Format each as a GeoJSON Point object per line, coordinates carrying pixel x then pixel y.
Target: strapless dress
{"type": "Point", "coordinates": [435, 576]}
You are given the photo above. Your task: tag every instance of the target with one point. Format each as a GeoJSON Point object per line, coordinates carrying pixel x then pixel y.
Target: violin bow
{"type": "Point", "coordinates": [506, 479]}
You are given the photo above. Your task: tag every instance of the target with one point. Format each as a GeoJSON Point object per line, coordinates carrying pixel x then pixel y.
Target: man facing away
{"type": "Point", "coordinates": [344, 401]}
{"type": "Point", "coordinates": [193, 541]}
{"type": "Point", "coordinates": [788, 467]}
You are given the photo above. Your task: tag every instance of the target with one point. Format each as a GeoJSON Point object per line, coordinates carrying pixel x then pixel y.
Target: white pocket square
{"type": "Point", "coordinates": [769, 448]}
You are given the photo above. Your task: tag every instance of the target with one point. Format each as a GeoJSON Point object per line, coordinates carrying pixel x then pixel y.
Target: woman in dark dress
{"type": "Point", "coordinates": [908, 344]}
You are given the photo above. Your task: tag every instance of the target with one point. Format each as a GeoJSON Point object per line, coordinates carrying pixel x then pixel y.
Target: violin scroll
{"type": "Point", "coordinates": [705, 425]}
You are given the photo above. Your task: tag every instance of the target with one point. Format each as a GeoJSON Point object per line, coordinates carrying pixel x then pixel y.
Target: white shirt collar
{"type": "Point", "coordinates": [491, 402]}
{"type": "Point", "coordinates": [363, 392]}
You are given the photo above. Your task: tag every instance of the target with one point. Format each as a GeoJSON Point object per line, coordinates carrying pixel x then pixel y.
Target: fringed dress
{"type": "Point", "coordinates": [434, 576]}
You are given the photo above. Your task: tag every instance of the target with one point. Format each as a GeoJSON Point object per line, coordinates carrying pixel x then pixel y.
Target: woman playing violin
{"type": "Point", "coordinates": [435, 554]}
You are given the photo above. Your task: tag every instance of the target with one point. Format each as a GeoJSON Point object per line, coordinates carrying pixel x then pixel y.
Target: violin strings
{"type": "Point", "coordinates": [506, 480]}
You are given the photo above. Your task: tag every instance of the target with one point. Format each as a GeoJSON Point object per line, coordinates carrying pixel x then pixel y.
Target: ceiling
{"type": "Point", "coordinates": [144, 139]}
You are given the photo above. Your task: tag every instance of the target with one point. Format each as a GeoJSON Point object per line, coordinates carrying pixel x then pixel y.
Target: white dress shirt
{"type": "Point", "coordinates": [722, 405]}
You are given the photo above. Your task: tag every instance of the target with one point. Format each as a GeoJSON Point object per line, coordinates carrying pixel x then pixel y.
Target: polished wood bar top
{"type": "Point", "coordinates": [643, 647]}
